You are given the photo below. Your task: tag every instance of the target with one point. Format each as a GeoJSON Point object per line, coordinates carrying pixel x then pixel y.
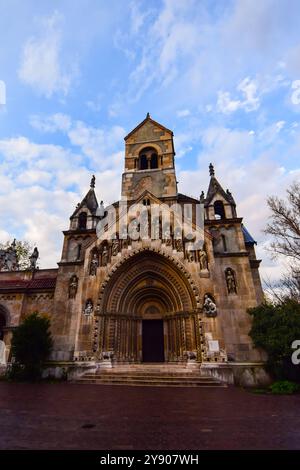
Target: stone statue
{"type": "Point", "coordinates": [209, 307]}
{"type": "Point", "coordinates": [33, 258]}
{"type": "Point", "coordinates": [190, 256]}
{"type": "Point", "coordinates": [104, 256]}
{"type": "Point", "coordinates": [230, 281]}
{"type": "Point", "coordinates": [9, 258]}
{"type": "Point", "coordinates": [178, 244]}
{"type": "Point", "coordinates": [88, 310]}
{"type": "Point", "coordinates": [2, 353]}
{"type": "Point", "coordinates": [115, 247]}
{"type": "Point", "coordinates": [203, 259]}
{"type": "Point", "coordinates": [94, 264]}
{"type": "Point", "coordinates": [73, 286]}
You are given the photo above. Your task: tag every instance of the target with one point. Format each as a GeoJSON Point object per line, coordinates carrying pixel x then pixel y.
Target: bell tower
{"type": "Point", "coordinates": [149, 161]}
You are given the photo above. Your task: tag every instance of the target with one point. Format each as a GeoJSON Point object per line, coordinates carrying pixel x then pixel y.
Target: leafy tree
{"type": "Point", "coordinates": [23, 249]}
{"type": "Point", "coordinates": [274, 328]}
{"type": "Point", "coordinates": [31, 346]}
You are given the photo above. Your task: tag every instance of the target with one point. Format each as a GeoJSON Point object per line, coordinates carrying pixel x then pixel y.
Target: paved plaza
{"type": "Point", "coordinates": [70, 416]}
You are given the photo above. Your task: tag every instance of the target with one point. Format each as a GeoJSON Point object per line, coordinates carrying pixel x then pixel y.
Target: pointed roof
{"type": "Point", "coordinates": [148, 118]}
{"type": "Point", "coordinates": [216, 188]}
{"type": "Point", "coordinates": [89, 200]}
{"type": "Point", "coordinates": [249, 240]}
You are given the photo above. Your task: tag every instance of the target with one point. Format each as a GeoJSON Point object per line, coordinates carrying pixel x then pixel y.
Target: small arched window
{"type": "Point", "coordinates": [148, 159]}
{"type": "Point", "coordinates": [154, 161]}
{"type": "Point", "coordinates": [219, 210]}
{"type": "Point", "coordinates": [224, 244]}
{"type": "Point", "coordinates": [82, 220]}
{"type": "Point", "coordinates": [78, 255]}
{"type": "Point", "coordinates": [143, 162]}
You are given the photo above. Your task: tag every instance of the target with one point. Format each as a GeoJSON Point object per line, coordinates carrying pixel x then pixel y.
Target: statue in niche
{"type": "Point", "coordinates": [178, 244]}
{"type": "Point", "coordinates": [169, 241]}
{"type": "Point", "coordinates": [166, 236]}
{"type": "Point", "coordinates": [33, 259]}
{"type": "Point", "coordinates": [73, 286]}
{"type": "Point", "coordinates": [203, 259]}
{"type": "Point", "coordinates": [190, 256]}
{"type": "Point", "coordinates": [230, 281]}
{"type": "Point", "coordinates": [209, 307]}
{"type": "Point", "coordinates": [88, 310]}
{"type": "Point", "coordinates": [104, 256]}
{"type": "Point", "coordinates": [94, 264]}
{"type": "Point", "coordinates": [115, 247]}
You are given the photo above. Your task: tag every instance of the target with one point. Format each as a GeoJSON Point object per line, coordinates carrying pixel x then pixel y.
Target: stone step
{"type": "Point", "coordinates": [151, 383]}
{"type": "Point", "coordinates": [152, 375]}
{"type": "Point", "coordinates": [150, 379]}
{"type": "Point", "coordinates": [147, 377]}
{"type": "Point", "coordinates": [149, 373]}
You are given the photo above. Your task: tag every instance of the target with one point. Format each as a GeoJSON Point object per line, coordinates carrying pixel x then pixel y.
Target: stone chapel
{"type": "Point", "coordinates": [118, 301]}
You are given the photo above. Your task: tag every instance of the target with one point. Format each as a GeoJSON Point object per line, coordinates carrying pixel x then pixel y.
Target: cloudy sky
{"type": "Point", "coordinates": [79, 75]}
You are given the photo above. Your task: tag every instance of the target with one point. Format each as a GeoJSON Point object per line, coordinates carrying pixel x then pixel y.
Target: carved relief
{"type": "Point", "coordinates": [143, 185]}
{"type": "Point", "coordinates": [209, 306]}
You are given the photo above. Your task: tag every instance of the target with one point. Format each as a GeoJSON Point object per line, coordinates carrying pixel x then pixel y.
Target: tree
{"type": "Point", "coordinates": [23, 249]}
{"type": "Point", "coordinates": [285, 225]}
{"type": "Point", "coordinates": [31, 346]}
{"type": "Point", "coordinates": [285, 230]}
{"type": "Point", "coordinates": [274, 328]}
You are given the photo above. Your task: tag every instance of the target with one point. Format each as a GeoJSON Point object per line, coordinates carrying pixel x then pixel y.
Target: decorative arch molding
{"type": "Point", "coordinates": [146, 145]}
{"type": "Point", "coordinates": [173, 285]}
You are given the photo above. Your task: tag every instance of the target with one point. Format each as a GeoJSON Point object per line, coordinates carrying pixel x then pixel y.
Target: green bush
{"type": "Point", "coordinates": [274, 328]}
{"type": "Point", "coordinates": [31, 346]}
{"type": "Point", "coordinates": [284, 387]}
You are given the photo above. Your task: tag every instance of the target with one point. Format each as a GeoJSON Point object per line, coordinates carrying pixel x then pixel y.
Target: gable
{"type": "Point", "coordinates": [148, 130]}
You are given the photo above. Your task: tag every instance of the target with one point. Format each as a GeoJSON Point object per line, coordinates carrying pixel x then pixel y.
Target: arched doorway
{"type": "Point", "coordinates": [4, 316]}
{"type": "Point", "coordinates": [148, 311]}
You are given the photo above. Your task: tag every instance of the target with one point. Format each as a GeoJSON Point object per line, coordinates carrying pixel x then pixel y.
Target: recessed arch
{"type": "Point", "coordinates": [4, 320]}
{"type": "Point", "coordinates": [144, 279]}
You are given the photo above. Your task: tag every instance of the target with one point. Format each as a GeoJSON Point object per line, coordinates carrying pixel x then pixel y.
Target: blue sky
{"type": "Point", "coordinates": [79, 75]}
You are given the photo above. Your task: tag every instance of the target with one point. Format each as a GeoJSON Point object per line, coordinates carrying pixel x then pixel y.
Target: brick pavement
{"type": "Point", "coordinates": [71, 416]}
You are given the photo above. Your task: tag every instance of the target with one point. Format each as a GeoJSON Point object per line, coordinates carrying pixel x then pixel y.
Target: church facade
{"type": "Point", "coordinates": [116, 299]}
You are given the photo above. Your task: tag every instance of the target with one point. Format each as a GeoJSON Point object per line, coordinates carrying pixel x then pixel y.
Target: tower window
{"type": "Point", "coordinates": [143, 162]}
{"type": "Point", "coordinates": [154, 161]}
{"type": "Point", "coordinates": [82, 219]}
{"type": "Point", "coordinates": [79, 247]}
{"type": "Point", "coordinates": [219, 210]}
{"type": "Point", "coordinates": [148, 159]}
{"type": "Point", "coordinates": [224, 244]}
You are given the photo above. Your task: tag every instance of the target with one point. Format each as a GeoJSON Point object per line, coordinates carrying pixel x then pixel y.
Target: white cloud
{"type": "Point", "coordinates": [249, 101]}
{"type": "Point", "coordinates": [251, 176]}
{"type": "Point", "coordinates": [44, 182]}
{"type": "Point", "coordinates": [225, 104]}
{"type": "Point", "coordinates": [53, 123]}
{"type": "Point", "coordinates": [183, 113]}
{"type": "Point", "coordinates": [295, 98]}
{"type": "Point", "coordinates": [42, 66]}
